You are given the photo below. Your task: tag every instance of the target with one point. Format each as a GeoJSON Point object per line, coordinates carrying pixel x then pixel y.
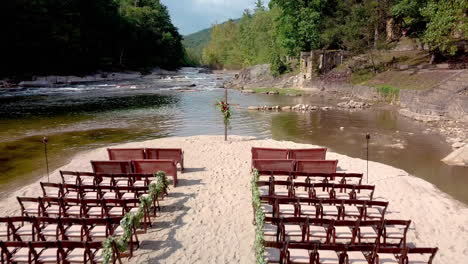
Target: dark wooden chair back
{"type": "Point", "coordinates": [126, 153]}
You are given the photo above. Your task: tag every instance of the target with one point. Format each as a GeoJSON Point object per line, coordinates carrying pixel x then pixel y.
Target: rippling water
{"type": "Point", "coordinates": [82, 117]}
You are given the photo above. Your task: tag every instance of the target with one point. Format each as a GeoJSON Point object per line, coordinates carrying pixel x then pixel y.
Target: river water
{"type": "Point", "coordinates": [81, 117]}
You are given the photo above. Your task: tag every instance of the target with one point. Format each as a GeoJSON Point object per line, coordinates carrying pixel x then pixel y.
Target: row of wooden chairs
{"type": "Point", "coordinates": [102, 179]}
{"type": "Point", "coordinates": [19, 228]}
{"type": "Point", "coordinates": [329, 231]}
{"type": "Point", "coordinates": [295, 176]}
{"type": "Point", "coordinates": [175, 154]}
{"type": "Point", "coordinates": [293, 154]}
{"type": "Point", "coordinates": [316, 190]}
{"type": "Point", "coordinates": [306, 166]}
{"type": "Point", "coordinates": [324, 208]}
{"type": "Point", "coordinates": [78, 208]}
{"type": "Point", "coordinates": [136, 166]}
{"type": "Point", "coordinates": [307, 253]}
{"type": "Point", "coordinates": [55, 252]}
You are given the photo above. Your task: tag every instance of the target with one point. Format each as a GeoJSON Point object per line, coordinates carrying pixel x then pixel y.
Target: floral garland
{"type": "Point", "coordinates": [225, 110]}
{"type": "Point", "coordinates": [133, 220]}
{"type": "Point", "coordinates": [259, 220]}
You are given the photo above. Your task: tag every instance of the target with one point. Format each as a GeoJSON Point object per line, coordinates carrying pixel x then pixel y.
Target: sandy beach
{"type": "Point", "coordinates": [208, 217]}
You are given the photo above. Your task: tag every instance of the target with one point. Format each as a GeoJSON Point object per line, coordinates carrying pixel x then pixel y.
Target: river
{"type": "Point", "coordinates": [81, 117]}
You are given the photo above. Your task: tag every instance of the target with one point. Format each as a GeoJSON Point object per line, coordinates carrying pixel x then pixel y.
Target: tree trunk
{"type": "Point", "coordinates": [376, 36]}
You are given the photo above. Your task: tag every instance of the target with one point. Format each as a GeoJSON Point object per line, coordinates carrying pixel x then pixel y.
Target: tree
{"type": "Point", "coordinates": [447, 24]}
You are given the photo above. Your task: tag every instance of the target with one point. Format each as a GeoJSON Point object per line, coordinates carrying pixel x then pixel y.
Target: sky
{"type": "Point", "coordinates": [194, 15]}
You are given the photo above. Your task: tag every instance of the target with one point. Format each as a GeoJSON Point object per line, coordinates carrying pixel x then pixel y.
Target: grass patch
{"type": "Point", "coordinates": [280, 91]}
{"type": "Point", "coordinates": [362, 76]}
{"type": "Point", "coordinates": [388, 92]}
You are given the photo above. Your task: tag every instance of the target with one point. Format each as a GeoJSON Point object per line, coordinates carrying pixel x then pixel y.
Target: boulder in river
{"type": "Point", "coordinates": [253, 108]}
{"type": "Point", "coordinates": [247, 91]}
{"type": "Point", "coordinates": [458, 158]}
{"type": "Point", "coordinates": [285, 108]}
{"type": "Point", "coordinates": [273, 93]}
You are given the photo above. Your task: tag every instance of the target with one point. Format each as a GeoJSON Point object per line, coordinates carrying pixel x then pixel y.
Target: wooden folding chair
{"type": "Point", "coordinates": [307, 154]}
{"type": "Point", "coordinates": [175, 154]}
{"type": "Point", "coordinates": [112, 166]}
{"type": "Point", "coordinates": [126, 153]}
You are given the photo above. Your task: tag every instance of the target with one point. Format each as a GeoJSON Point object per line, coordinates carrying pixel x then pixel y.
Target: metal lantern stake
{"type": "Point", "coordinates": [225, 123]}
{"type": "Point", "coordinates": [45, 141]}
{"type": "Point", "coordinates": [367, 158]}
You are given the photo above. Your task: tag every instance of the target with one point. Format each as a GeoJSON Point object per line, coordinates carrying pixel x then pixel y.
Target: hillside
{"type": "Point", "coordinates": [194, 43]}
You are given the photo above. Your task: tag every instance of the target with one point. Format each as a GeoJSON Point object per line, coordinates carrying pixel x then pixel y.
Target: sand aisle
{"type": "Point", "coordinates": [208, 217]}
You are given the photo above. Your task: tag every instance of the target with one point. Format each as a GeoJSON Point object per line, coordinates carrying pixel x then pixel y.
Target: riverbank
{"type": "Point", "coordinates": [208, 217]}
{"type": "Point", "coordinates": [443, 108]}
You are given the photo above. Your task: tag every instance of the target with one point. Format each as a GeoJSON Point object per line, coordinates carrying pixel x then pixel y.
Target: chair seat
{"type": "Point", "coordinates": [110, 195]}
{"type": "Point", "coordinates": [116, 211]}
{"type": "Point", "coordinates": [48, 255]}
{"type": "Point", "coordinates": [128, 196]}
{"type": "Point", "coordinates": [263, 191]}
{"type": "Point", "coordinates": [70, 180]}
{"type": "Point", "coordinates": [25, 230]}
{"type": "Point", "coordinates": [394, 232]}
{"type": "Point", "coordinates": [352, 211]}
{"type": "Point", "coordinates": [121, 183]}
{"type": "Point", "coordinates": [119, 231]}
{"type": "Point", "coordinates": [387, 258]}
{"type": "Point", "coordinates": [106, 182]}
{"type": "Point", "coordinates": [368, 232]}
{"type": "Point", "coordinates": [301, 193]}
{"type": "Point", "coordinates": [272, 255]}
{"type": "Point", "coordinates": [343, 232]}
{"type": "Point", "coordinates": [270, 229]}
{"type": "Point", "coordinates": [53, 209]}
{"type": "Point", "coordinates": [31, 209]}
{"type": "Point", "coordinates": [322, 194]}
{"type": "Point", "coordinates": [49, 230]}
{"type": "Point", "coordinates": [317, 231]}
{"type": "Point", "coordinates": [362, 196]}
{"type": "Point", "coordinates": [267, 208]}
{"type": "Point", "coordinates": [95, 211]}
{"type": "Point", "coordinates": [21, 255]}
{"type": "Point", "coordinates": [87, 181]}
{"type": "Point", "coordinates": [52, 193]}
{"type": "Point", "coordinates": [373, 212]}
{"type": "Point", "coordinates": [73, 231]}
{"type": "Point", "coordinates": [330, 210]}
{"type": "Point", "coordinates": [71, 195]}
{"type": "Point", "coordinates": [91, 195]}
{"type": "Point", "coordinates": [3, 231]}
{"type": "Point", "coordinates": [98, 231]}
{"type": "Point", "coordinates": [299, 255]}
{"type": "Point", "coordinates": [342, 195]}
{"type": "Point", "coordinates": [328, 257]}
{"type": "Point", "coordinates": [356, 257]}
{"type": "Point", "coordinates": [293, 230]}
{"type": "Point", "coordinates": [282, 192]}
{"type": "Point", "coordinates": [140, 183]}
{"type": "Point", "coordinates": [286, 209]}
{"type": "Point", "coordinates": [76, 255]}
{"type": "Point", "coordinates": [74, 210]}
{"type": "Point", "coordinates": [308, 210]}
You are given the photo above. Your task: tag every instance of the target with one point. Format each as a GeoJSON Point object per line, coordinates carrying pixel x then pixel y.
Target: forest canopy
{"type": "Point", "coordinates": [73, 36]}
{"type": "Point", "coordinates": [285, 28]}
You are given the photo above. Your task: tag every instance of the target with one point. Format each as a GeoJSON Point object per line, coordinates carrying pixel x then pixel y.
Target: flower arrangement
{"type": "Point", "coordinates": [225, 110]}
{"type": "Point", "coordinates": [133, 220]}
{"type": "Point", "coordinates": [259, 219]}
